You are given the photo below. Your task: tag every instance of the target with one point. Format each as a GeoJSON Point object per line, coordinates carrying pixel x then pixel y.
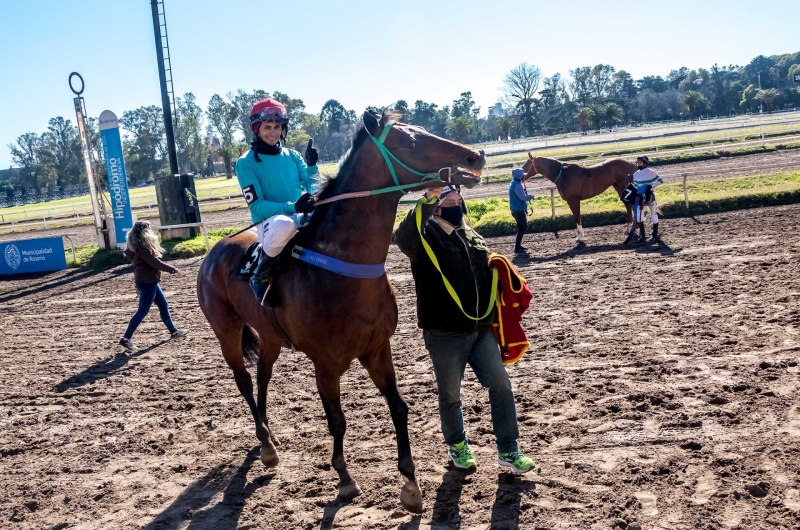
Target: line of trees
{"type": "Point", "coordinates": [590, 97]}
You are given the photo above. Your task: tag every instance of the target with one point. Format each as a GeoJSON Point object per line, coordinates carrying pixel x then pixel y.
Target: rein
{"type": "Point", "coordinates": [358, 270]}
{"type": "Point", "coordinates": [388, 156]}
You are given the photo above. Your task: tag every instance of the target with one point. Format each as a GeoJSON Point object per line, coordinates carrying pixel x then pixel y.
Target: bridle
{"type": "Point", "coordinates": [533, 171]}
{"type": "Point", "coordinates": [389, 157]}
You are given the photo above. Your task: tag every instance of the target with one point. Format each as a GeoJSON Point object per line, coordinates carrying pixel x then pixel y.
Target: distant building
{"type": "Point", "coordinates": [498, 110]}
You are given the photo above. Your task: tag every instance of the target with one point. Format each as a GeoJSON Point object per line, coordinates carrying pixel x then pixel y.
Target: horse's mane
{"type": "Point", "coordinates": [329, 186]}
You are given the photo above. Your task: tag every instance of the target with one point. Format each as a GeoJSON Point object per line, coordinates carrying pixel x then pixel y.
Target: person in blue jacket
{"type": "Point", "coordinates": [277, 184]}
{"type": "Point", "coordinates": [518, 198]}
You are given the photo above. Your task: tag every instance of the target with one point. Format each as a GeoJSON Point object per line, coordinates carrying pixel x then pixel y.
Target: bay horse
{"type": "Point", "coordinates": [576, 183]}
{"type": "Point", "coordinates": [332, 318]}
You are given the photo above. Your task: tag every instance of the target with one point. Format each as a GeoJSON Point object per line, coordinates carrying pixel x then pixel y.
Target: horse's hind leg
{"type": "Point", "coordinates": [233, 348]}
{"type": "Point", "coordinates": [380, 367]}
{"type": "Point", "coordinates": [330, 392]}
{"type": "Point", "coordinates": [269, 354]}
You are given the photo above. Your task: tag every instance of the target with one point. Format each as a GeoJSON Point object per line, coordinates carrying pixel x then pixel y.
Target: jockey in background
{"type": "Point", "coordinates": [644, 181]}
{"type": "Point", "coordinates": [277, 184]}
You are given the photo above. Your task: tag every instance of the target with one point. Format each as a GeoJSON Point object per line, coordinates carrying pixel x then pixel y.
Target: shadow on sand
{"type": "Point", "coordinates": [194, 504]}
{"type": "Point", "coordinates": [103, 369]}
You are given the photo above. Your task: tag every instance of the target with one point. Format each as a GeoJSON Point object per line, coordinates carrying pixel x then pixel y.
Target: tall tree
{"type": "Point", "coordinates": [32, 173]}
{"type": "Point", "coordinates": [402, 107]}
{"type": "Point", "coordinates": [190, 141]}
{"type": "Point", "coordinates": [146, 142]}
{"type": "Point", "coordinates": [580, 84]}
{"type": "Point", "coordinates": [521, 85]}
{"type": "Point", "coordinates": [600, 80]}
{"type": "Point", "coordinates": [224, 120]}
{"type": "Point", "coordinates": [61, 148]}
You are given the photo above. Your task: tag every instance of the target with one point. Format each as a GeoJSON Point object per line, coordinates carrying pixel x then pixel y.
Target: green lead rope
{"type": "Point", "coordinates": [453, 294]}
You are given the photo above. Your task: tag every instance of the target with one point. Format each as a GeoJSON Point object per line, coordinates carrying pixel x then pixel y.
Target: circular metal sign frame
{"type": "Point", "coordinates": [83, 85]}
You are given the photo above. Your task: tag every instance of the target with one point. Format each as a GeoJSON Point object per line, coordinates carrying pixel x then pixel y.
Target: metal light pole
{"type": "Point", "coordinates": [166, 102]}
{"type": "Point", "coordinates": [97, 206]}
{"type": "Point", "coordinates": [760, 103]}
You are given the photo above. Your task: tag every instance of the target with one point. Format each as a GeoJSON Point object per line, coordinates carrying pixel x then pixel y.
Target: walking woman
{"type": "Point", "coordinates": [144, 251]}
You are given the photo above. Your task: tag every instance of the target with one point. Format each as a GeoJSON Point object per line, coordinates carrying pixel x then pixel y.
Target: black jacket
{"type": "Point", "coordinates": [464, 260]}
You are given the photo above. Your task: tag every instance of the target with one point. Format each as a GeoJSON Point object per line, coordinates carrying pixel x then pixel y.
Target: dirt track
{"type": "Point", "coordinates": [661, 390]}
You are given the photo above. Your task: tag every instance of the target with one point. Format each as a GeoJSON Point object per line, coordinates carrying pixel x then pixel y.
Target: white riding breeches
{"type": "Point", "coordinates": [275, 232]}
{"type": "Point", "coordinates": [639, 213]}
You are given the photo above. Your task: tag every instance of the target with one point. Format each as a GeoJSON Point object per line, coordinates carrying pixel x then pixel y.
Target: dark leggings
{"type": "Point", "coordinates": [522, 224]}
{"type": "Point", "coordinates": [149, 293]}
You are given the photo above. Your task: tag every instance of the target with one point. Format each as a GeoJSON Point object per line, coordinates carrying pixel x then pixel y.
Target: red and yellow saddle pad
{"type": "Point", "coordinates": [513, 299]}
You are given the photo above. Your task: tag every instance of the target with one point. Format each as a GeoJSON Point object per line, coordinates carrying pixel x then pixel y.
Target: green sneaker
{"type": "Point", "coordinates": [516, 461]}
{"type": "Point", "coordinates": [461, 456]}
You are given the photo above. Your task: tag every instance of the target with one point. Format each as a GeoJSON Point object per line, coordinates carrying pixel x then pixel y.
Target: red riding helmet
{"type": "Point", "coordinates": [268, 110]}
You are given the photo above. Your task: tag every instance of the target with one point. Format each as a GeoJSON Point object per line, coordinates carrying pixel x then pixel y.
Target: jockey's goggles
{"type": "Point", "coordinates": [276, 114]}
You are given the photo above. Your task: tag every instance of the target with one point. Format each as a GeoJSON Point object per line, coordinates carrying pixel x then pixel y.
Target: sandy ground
{"type": "Point", "coordinates": [660, 392]}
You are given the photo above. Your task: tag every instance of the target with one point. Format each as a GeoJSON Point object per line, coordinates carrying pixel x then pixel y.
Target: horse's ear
{"type": "Point", "coordinates": [371, 122]}
{"type": "Point", "coordinates": [530, 156]}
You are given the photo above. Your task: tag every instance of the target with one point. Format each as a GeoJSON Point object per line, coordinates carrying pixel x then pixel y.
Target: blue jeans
{"type": "Point", "coordinates": [149, 293]}
{"type": "Point", "coordinates": [450, 353]}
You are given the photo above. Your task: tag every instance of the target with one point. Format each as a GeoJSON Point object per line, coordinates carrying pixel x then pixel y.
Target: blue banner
{"type": "Point", "coordinates": [117, 178]}
{"type": "Point", "coordinates": [32, 255]}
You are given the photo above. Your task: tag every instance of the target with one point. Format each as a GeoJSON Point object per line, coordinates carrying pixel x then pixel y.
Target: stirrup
{"type": "Point", "coordinates": [264, 301]}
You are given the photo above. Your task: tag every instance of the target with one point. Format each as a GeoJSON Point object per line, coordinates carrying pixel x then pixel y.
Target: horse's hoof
{"type": "Point", "coordinates": [269, 457]}
{"type": "Point", "coordinates": [411, 497]}
{"type": "Point", "coordinates": [349, 491]}
{"type": "Point", "coordinates": [580, 243]}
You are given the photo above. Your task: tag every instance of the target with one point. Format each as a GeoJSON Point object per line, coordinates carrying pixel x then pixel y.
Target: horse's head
{"type": "Point", "coordinates": [421, 153]}
{"type": "Point", "coordinates": [549, 168]}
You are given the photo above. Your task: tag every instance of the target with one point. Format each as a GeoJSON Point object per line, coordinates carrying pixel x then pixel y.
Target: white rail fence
{"type": "Point", "coordinates": [788, 163]}
{"type": "Point", "coordinates": [230, 193]}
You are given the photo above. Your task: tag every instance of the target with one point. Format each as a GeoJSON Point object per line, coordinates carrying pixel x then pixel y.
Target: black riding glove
{"type": "Point", "coordinates": [305, 204]}
{"type": "Point", "coordinates": [311, 154]}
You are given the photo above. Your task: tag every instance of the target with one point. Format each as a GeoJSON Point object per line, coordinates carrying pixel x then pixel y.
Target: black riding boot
{"type": "Point", "coordinates": [642, 234]}
{"type": "Point", "coordinates": [264, 269]}
{"type": "Point", "coordinates": [655, 238]}
{"type": "Point", "coordinates": [262, 277]}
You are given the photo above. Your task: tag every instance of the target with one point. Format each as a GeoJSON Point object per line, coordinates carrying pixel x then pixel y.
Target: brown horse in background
{"type": "Point", "coordinates": [333, 319]}
{"type": "Point", "coordinates": [576, 183]}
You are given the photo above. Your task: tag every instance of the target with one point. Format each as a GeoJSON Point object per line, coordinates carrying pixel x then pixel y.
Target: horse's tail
{"type": "Point", "coordinates": [251, 346]}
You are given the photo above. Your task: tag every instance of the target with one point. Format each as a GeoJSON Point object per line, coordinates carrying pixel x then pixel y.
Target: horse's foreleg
{"type": "Point", "coordinates": [380, 367]}
{"type": "Point", "coordinates": [575, 207]}
{"type": "Point", "coordinates": [269, 354]}
{"type": "Point", "coordinates": [329, 391]}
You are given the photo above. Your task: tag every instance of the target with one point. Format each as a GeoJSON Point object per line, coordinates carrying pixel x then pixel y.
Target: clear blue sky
{"type": "Point", "coordinates": [361, 53]}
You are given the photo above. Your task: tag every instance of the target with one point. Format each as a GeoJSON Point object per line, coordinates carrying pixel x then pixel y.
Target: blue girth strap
{"type": "Point", "coordinates": [351, 270]}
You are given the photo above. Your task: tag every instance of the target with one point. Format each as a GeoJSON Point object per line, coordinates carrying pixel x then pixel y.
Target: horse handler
{"type": "Point", "coordinates": [453, 339]}
{"type": "Point", "coordinates": [518, 198]}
